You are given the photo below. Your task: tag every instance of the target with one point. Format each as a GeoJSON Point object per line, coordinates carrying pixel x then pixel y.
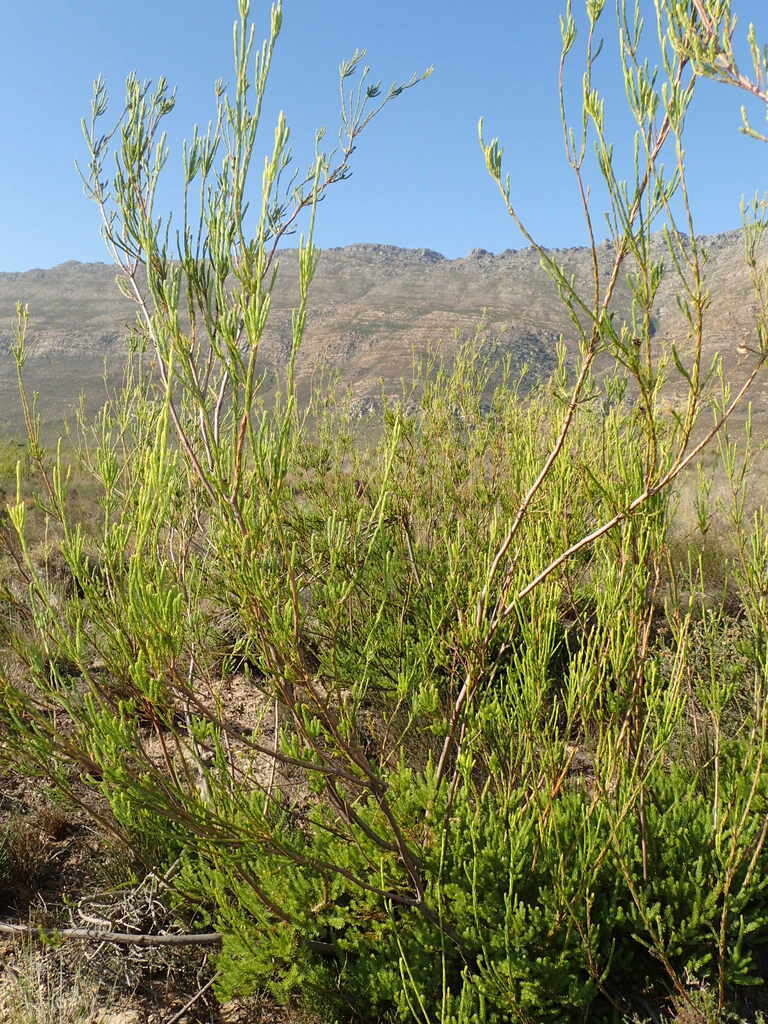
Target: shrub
{"type": "Point", "coordinates": [452, 778]}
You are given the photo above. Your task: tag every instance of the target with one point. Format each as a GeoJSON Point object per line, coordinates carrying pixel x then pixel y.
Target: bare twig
{"type": "Point", "coordinates": [201, 992]}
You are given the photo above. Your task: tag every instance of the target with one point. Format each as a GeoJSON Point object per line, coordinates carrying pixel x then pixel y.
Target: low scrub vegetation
{"type": "Point", "coordinates": [441, 726]}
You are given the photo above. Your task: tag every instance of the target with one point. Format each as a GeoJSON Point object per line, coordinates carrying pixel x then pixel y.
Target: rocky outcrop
{"type": "Point", "coordinates": [372, 307]}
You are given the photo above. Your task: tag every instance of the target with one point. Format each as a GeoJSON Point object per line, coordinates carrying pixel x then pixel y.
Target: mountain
{"type": "Point", "coordinates": [372, 307]}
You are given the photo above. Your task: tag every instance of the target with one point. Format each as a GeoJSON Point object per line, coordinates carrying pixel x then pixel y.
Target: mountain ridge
{"type": "Point", "coordinates": [372, 307]}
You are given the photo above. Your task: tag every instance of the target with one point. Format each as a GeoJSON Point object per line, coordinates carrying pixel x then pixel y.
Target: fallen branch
{"type": "Point", "coordinates": [121, 938]}
{"type": "Point", "coordinates": [134, 939]}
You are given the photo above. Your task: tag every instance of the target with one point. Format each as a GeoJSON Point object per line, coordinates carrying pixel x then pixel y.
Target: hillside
{"type": "Point", "coordinates": [372, 307]}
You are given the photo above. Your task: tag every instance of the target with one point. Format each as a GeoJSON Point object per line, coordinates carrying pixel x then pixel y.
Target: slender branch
{"type": "Point", "coordinates": [640, 500]}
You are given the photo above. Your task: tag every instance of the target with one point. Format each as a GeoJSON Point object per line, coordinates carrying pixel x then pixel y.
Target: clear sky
{"type": "Point", "coordinates": [419, 178]}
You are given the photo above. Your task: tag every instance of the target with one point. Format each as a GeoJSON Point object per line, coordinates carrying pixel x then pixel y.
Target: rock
{"type": "Point", "coordinates": [120, 1017]}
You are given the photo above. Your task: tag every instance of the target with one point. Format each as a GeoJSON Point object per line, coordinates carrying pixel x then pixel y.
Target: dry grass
{"type": "Point", "coordinates": [50, 986]}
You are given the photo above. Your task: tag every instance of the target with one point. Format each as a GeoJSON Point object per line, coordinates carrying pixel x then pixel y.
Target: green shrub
{"type": "Point", "coordinates": [413, 714]}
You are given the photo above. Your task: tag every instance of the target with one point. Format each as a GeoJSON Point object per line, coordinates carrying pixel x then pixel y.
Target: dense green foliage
{"type": "Point", "coordinates": [433, 726]}
{"type": "Point", "coordinates": [599, 834]}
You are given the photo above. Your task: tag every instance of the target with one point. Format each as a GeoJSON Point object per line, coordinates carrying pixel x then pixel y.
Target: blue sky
{"type": "Point", "coordinates": [418, 178]}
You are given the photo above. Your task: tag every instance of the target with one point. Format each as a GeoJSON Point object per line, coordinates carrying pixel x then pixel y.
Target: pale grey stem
{"type": "Point", "coordinates": [119, 938]}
